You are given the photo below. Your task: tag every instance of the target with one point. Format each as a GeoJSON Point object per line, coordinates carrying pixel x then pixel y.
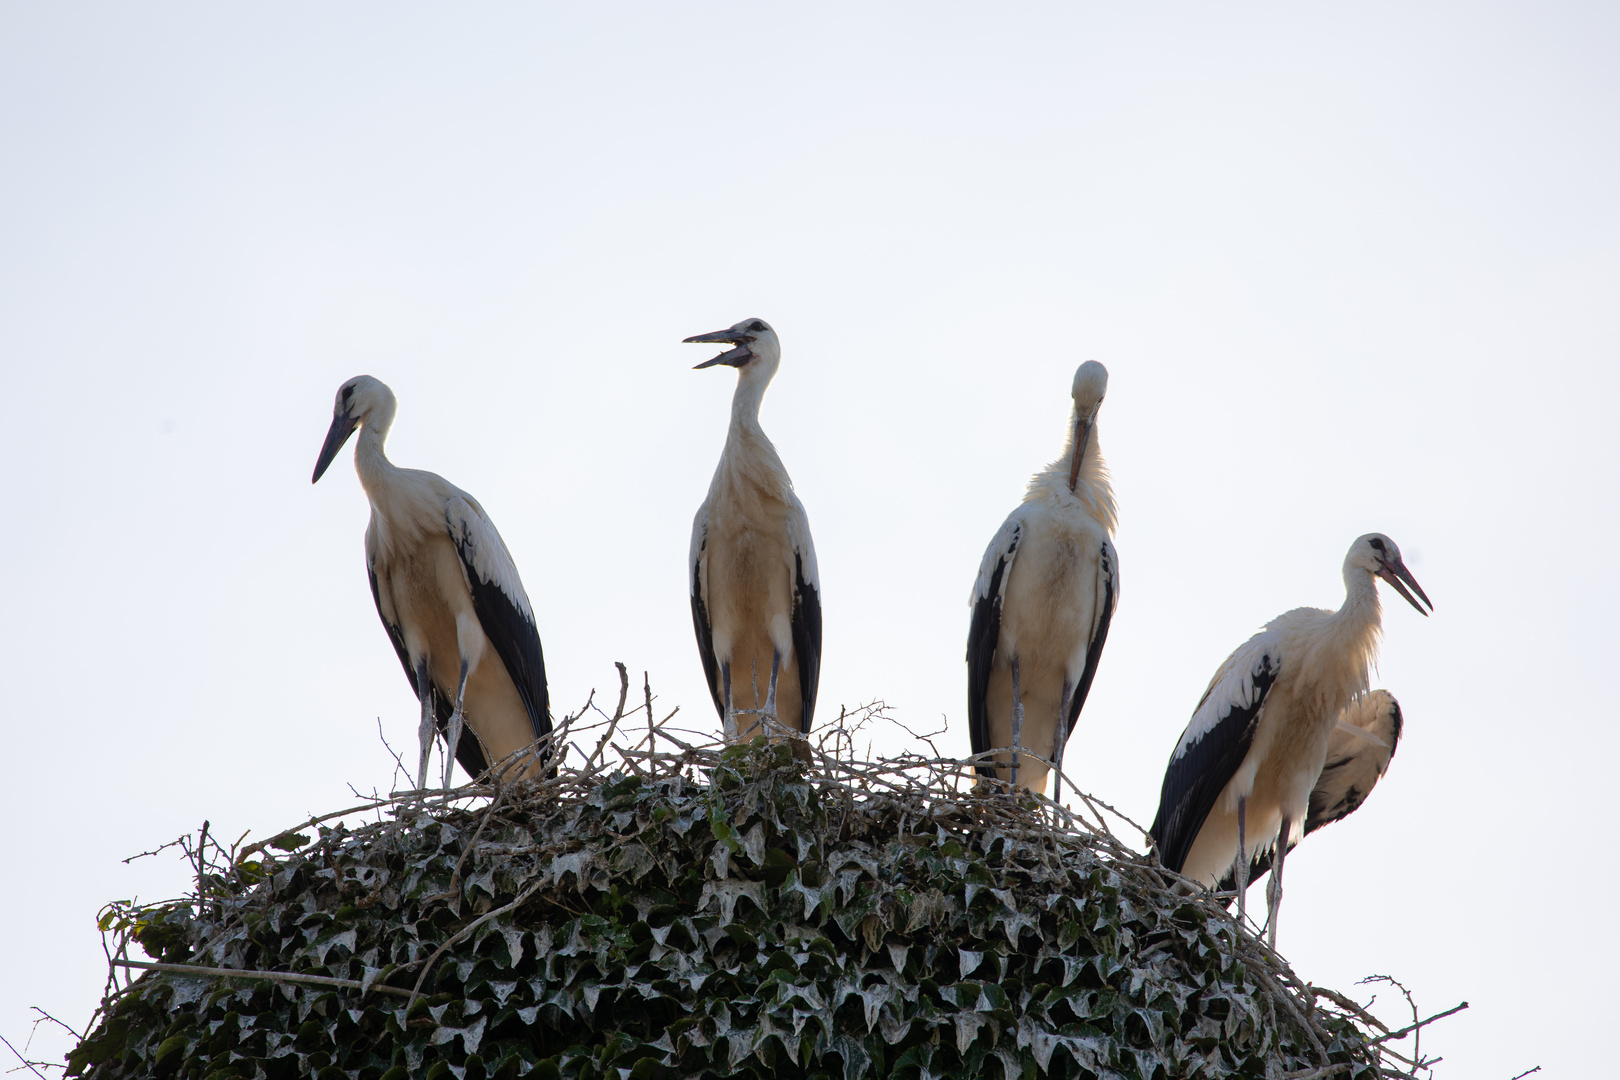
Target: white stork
{"type": "Point", "coordinates": [1359, 751]}
{"type": "Point", "coordinates": [756, 594]}
{"type": "Point", "coordinates": [449, 597]}
{"type": "Point", "coordinates": [1042, 603]}
{"type": "Point", "coordinates": [1241, 776]}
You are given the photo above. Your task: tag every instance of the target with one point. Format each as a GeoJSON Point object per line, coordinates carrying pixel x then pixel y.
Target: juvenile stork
{"type": "Point", "coordinates": [1241, 777]}
{"type": "Point", "coordinates": [449, 597]}
{"type": "Point", "coordinates": [1041, 605]}
{"type": "Point", "coordinates": [1359, 751]}
{"type": "Point", "coordinates": [756, 594]}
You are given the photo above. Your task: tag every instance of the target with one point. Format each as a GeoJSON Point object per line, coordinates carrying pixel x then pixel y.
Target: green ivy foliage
{"type": "Point", "coordinates": [748, 920]}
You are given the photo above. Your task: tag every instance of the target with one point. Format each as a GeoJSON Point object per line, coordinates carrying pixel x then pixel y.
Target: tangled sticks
{"type": "Point", "coordinates": [711, 911]}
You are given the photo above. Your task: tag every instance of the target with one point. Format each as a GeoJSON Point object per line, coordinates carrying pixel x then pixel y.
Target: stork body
{"type": "Point", "coordinates": [1241, 776]}
{"type": "Point", "coordinates": [1046, 590]}
{"type": "Point", "coordinates": [756, 591]}
{"type": "Point", "coordinates": [1359, 750]}
{"type": "Point", "coordinates": [449, 596]}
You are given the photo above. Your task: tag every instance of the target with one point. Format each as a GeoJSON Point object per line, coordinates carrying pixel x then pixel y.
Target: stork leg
{"type": "Point", "coordinates": [730, 719]}
{"type": "Point", "coordinates": [1017, 721]}
{"type": "Point", "coordinates": [1274, 886]}
{"type": "Point", "coordinates": [1240, 869]}
{"type": "Point", "coordinates": [426, 730]}
{"type": "Point", "coordinates": [1062, 740]}
{"type": "Point", "coordinates": [452, 733]}
{"type": "Point", "coordinates": [770, 691]}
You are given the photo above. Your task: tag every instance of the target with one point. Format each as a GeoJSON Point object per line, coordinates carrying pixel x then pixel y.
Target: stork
{"type": "Point", "coordinates": [1046, 591]}
{"type": "Point", "coordinates": [1241, 776]}
{"type": "Point", "coordinates": [1359, 751]}
{"type": "Point", "coordinates": [756, 593]}
{"type": "Point", "coordinates": [449, 597]}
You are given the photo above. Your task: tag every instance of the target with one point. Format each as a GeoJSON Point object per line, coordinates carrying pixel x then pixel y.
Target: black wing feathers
{"type": "Point", "coordinates": [1195, 779]}
{"type": "Point", "coordinates": [705, 636]}
{"type": "Point", "coordinates": [517, 642]}
{"type": "Point", "coordinates": [1099, 638]}
{"type": "Point", "coordinates": [984, 631]}
{"type": "Point", "coordinates": [806, 638]}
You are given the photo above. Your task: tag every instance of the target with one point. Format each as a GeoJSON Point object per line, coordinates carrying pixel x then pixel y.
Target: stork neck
{"type": "Point", "coordinates": [1362, 611]}
{"type": "Point", "coordinates": [369, 460]}
{"type": "Point", "coordinates": [1092, 486]}
{"type": "Point", "coordinates": [745, 403]}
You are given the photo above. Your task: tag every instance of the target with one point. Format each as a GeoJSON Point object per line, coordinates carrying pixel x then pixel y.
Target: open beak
{"type": "Point", "coordinates": [343, 426]}
{"type": "Point", "coordinates": [1082, 435]}
{"type": "Point", "coordinates": [733, 357]}
{"type": "Point", "coordinates": [1395, 573]}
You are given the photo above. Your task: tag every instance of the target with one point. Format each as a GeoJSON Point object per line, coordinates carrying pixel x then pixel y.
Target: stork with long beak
{"type": "Point", "coordinates": [450, 598]}
{"type": "Point", "coordinates": [1046, 591]}
{"type": "Point", "coordinates": [756, 593]}
{"type": "Point", "coordinates": [1242, 774]}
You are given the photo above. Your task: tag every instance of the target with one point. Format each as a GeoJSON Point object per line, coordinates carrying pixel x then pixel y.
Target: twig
{"type": "Point", "coordinates": [1349, 1005]}
{"type": "Point", "coordinates": [1527, 1072]}
{"type": "Point", "coordinates": [1420, 1024]}
{"type": "Point", "coordinates": [25, 1061]}
{"type": "Point", "coordinates": [44, 1016]}
{"type": "Point", "coordinates": [646, 688]}
{"type": "Point", "coordinates": [463, 932]}
{"type": "Point", "coordinates": [273, 976]}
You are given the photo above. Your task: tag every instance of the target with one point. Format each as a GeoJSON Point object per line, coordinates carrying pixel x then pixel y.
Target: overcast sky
{"type": "Point", "coordinates": [1351, 268]}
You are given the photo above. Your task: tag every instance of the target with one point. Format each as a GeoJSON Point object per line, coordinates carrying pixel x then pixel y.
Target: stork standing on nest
{"type": "Point", "coordinates": [1359, 751]}
{"type": "Point", "coordinates": [1241, 777]}
{"type": "Point", "coordinates": [449, 597]}
{"type": "Point", "coordinates": [756, 594]}
{"type": "Point", "coordinates": [1042, 603]}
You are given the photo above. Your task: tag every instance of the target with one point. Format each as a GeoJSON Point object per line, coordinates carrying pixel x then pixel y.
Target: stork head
{"type": "Point", "coordinates": [755, 346]}
{"type": "Point", "coordinates": [361, 402]}
{"type": "Point", "coordinates": [1090, 385]}
{"type": "Point", "coordinates": [1377, 555]}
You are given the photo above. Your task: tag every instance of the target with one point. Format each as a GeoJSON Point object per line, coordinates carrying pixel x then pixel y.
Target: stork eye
{"type": "Point", "coordinates": [756, 327]}
{"type": "Point", "coordinates": [348, 392]}
{"type": "Point", "coordinates": [1377, 544]}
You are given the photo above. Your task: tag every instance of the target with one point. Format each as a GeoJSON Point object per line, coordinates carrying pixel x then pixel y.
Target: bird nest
{"type": "Point", "coordinates": [665, 908]}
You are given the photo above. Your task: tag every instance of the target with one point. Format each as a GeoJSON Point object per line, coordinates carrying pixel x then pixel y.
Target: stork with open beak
{"type": "Point", "coordinates": [756, 592]}
{"type": "Point", "coordinates": [1046, 590]}
{"type": "Point", "coordinates": [450, 598]}
{"type": "Point", "coordinates": [1241, 777]}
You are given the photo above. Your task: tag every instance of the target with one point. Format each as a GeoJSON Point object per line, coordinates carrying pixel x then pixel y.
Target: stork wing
{"type": "Point", "coordinates": [1355, 763]}
{"type": "Point", "coordinates": [502, 605]}
{"type": "Point", "coordinates": [1107, 599]}
{"type": "Point", "coordinates": [806, 609]}
{"type": "Point", "coordinates": [1214, 744]}
{"type": "Point", "coordinates": [984, 631]}
{"type": "Point", "coordinates": [468, 753]}
{"type": "Point", "coordinates": [700, 613]}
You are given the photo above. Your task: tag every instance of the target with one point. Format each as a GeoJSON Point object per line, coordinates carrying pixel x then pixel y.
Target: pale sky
{"type": "Point", "coordinates": [1351, 268]}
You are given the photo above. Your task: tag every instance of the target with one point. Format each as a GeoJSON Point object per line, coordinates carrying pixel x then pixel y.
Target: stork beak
{"type": "Point", "coordinates": [343, 426]}
{"type": "Point", "coordinates": [1396, 572]}
{"type": "Point", "coordinates": [732, 358]}
{"type": "Point", "coordinates": [1082, 435]}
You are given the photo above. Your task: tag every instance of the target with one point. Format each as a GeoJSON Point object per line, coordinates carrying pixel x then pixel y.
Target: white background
{"type": "Point", "coordinates": [1351, 267]}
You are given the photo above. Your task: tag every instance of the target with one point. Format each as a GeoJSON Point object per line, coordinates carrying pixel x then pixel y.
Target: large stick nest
{"type": "Point", "coordinates": [708, 911]}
